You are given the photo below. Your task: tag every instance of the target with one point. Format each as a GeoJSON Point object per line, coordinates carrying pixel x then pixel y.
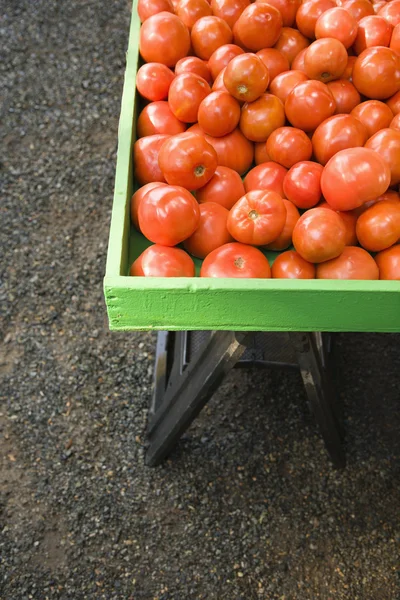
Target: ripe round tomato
{"type": "Point", "coordinates": [229, 10]}
{"type": "Point", "coordinates": [374, 115]}
{"type": "Point", "coordinates": [261, 117]}
{"type": "Point", "coordinates": [387, 143]}
{"type": "Point", "coordinates": [225, 188]}
{"type": "Point", "coordinates": [259, 26]}
{"type": "Point", "coordinates": [233, 150]}
{"type": "Point", "coordinates": [395, 122]}
{"type": "Point", "coordinates": [345, 95]}
{"type": "Point", "coordinates": [337, 133]}
{"type": "Point", "coordinates": [290, 265]}
{"type": "Point", "coordinates": [145, 159]}
{"type": "Point", "coordinates": [163, 261]}
{"type": "Point", "coordinates": [348, 73]}
{"type": "Point", "coordinates": [164, 38]}
{"type": "Point", "coordinates": [302, 184]}
{"type": "Point", "coordinates": [257, 218]}
{"type": "Point", "coordinates": [325, 60]}
{"type": "Point", "coordinates": [186, 92]}
{"type": "Point", "coordinates": [148, 8]}
{"type": "Point", "coordinates": [168, 215]}
{"type": "Point", "coordinates": [309, 13]}
{"type": "Point", "coordinates": [284, 239]}
{"type": "Point", "coordinates": [372, 31]}
{"type": "Point", "coordinates": [349, 219]}
{"type": "Point", "coordinates": [246, 77]}
{"type": "Point", "coordinates": [208, 34]}
{"type": "Point", "coordinates": [266, 176]}
{"type": "Point", "coordinates": [285, 82]}
{"type": "Point", "coordinates": [260, 153]}
{"type": "Point", "coordinates": [137, 198]}
{"type": "Point", "coordinates": [157, 117]}
{"type": "Point", "coordinates": [353, 263]}
{"type": "Point", "coordinates": [221, 57]}
{"type": "Point", "coordinates": [308, 104]}
{"type": "Point", "coordinates": [187, 160]}
{"type": "Point", "coordinates": [298, 63]}
{"type": "Point", "coordinates": [354, 176]}
{"type": "Point", "coordinates": [337, 23]}
{"type": "Point", "coordinates": [319, 235]}
{"type": "Point", "coordinates": [236, 260]}
{"type": "Point", "coordinates": [211, 232]}
{"type": "Point", "coordinates": [291, 42]}
{"type": "Point", "coordinates": [193, 64]}
{"type": "Point", "coordinates": [287, 8]}
{"type": "Point", "coordinates": [219, 114]}
{"type": "Point", "coordinates": [395, 39]}
{"type": "Point", "coordinates": [378, 227]}
{"type": "Point", "coordinates": [190, 11]}
{"type": "Point", "coordinates": [394, 103]}
{"type": "Point", "coordinates": [274, 60]}
{"type": "Point", "coordinates": [359, 8]}
{"type": "Point", "coordinates": [153, 81]}
{"type": "Point", "coordinates": [288, 146]}
{"type": "Point", "coordinates": [388, 262]}
{"type": "Point", "coordinates": [391, 12]}
{"type": "Point", "coordinates": [376, 73]}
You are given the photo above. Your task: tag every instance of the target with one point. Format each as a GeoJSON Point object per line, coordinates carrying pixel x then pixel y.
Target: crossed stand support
{"type": "Point", "coordinates": [190, 365]}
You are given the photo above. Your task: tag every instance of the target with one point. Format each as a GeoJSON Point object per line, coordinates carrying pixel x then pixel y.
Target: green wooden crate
{"type": "Point", "coordinates": [226, 304]}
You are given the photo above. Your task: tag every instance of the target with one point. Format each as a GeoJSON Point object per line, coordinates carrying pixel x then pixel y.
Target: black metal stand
{"type": "Point", "coordinates": [190, 365]}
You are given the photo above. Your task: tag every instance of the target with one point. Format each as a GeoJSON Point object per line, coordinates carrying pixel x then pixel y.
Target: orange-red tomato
{"type": "Point", "coordinates": [388, 262]}
{"type": "Point", "coordinates": [261, 117]}
{"type": "Point", "coordinates": [246, 77]}
{"type": "Point", "coordinates": [145, 158]}
{"type": "Point", "coordinates": [387, 143]}
{"type": "Point", "coordinates": [394, 103]}
{"type": "Point", "coordinates": [225, 188]}
{"type": "Point", "coordinates": [372, 31]}
{"type": "Point", "coordinates": [218, 85]}
{"type": "Point", "coordinates": [284, 239]}
{"type": "Point", "coordinates": [325, 60]}
{"type": "Point", "coordinates": [287, 8]}
{"type": "Point", "coordinates": [153, 81]}
{"type": "Point", "coordinates": [229, 10]}
{"type": "Point", "coordinates": [337, 133]}
{"type": "Point", "coordinates": [376, 73]}
{"type": "Point", "coordinates": [377, 4]}
{"type": "Point", "coordinates": [375, 115]}
{"type": "Point", "coordinates": [148, 8]}
{"type": "Point", "coordinates": [220, 58]}
{"type": "Point", "coordinates": [337, 23]}
{"type": "Point", "coordinates": [395, 39]}
{"type": "Point", "coordinates": [190, 11]}
{"type": "Point", "coordinates": [137, 198]}
{"type": "Point", "coordinates": [266, 176]}
{"type": "Point", "coordinates": [236, 260]}
{"type": "Point", "coordinates": [359, 8]}
{"type": "Point", "coordinates": [308, 104]}
{"type": "Point", "coordinates": [275, 61]}
{"type": "Point", "coordinates": [288, 146]}
{"type": "Point", "coordinates": [391, 12]}
{"type": "Point", "coordinates": [291, 42]}
{"type": "Point", "coordinates": [349, 219]}
{"type": "Point", "coordinates": [309, 13]}
{"type": "Point", "coordinates": [302, 184]}
{"type": "Point", "coordinates": [298, 63]}
{"type": "Point", "coordinates": [378, 227]}
{"type": "Point", "coordinates": [348, 72]}
{"type": "Point", "coordinates": [187, 160]}
{"type": "Point", "coordinates": [290, 265]}
{"type": "Point", "coordinates": [319, 235]}
{"type": "Point", "coordinates": [345, 95]}
{"type": "Point", "coordinates": [260, 153]}
{"type": "Point", "coordinates": [168, 215]}
{"type": "Point", "coordinates": [354, 176]}
{"type": "Point", "coordinates": [211, 232]}
{"type": "Point", "coordinates": [259, 26]}
{"type": "Point", "coordinates": [157, 117]}
{"type": "Point", "coordinates": [395, 122]}
{"type": "Point", "coordinates": [185, 95]}
{"type": "Point", "coordinates": [208, 34]}
{"type": "Point", "coordinates": [257, 218]}
{"type": "Point", "coordinates": [285, 82]}
{"type": "Point", "coordinates": [163, 261]}
{"type": "Point", "coordinates": [164, 38]}
{"type": "Point", "coordinates": [193, 64]}
{"type": "Point", "coordinates": [388, 196]}
{"type": "Point", "coordinates": [353, 263]}
{"type": "Point", "coordinates": [218, 114]}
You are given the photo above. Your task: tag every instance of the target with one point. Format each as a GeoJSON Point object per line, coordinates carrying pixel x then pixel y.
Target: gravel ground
{"type": "Point", "coordinates": [248, 506]}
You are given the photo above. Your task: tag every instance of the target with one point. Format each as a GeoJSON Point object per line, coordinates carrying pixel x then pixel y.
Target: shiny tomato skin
{"type": "Point", "coordinates": [221, 57]}
{"type": "Point", "coordinates": [145, 159]}
{"type": "Point", "coordinates": [259, 26]}
{"type": "Point", "coordinates": [266, 176]}
{"type": "Point", "coordinates": [153, 81]}
{"type": "Point", "coordinates": [345, 95]}
{"type": "Point", "coordinates": [374, 115]}
{"type": "Point", "coordinates": [372, 31]}
{"type": "Point", "coordinates": [349, 219]}
{"type": "Point", "coordinates": [298, 63]}
{"type": "Point", "coordinates": [348, 73]}
{"type": "Point", "coordinates": [387, 143]}
{"type": "Point", "coordinates": [148, 8]}
{"type": "Point", "coordinates": [163, 261]}
{"type": "Point", "coordinates": [257, 218]}
{"type": "Point", "coordinates": [246, 77]}
{"type": "Point", "coordinates": [285, 82]}
{"type": "Point", "coordinates": [157, 117]}
{"type": "Point", "coordinates": [291, 42]}
{"type": "Point", "coordinates": [359, 8]}
{"type": "Point", "coordinates": [287, 8]}
{"type": "Point", "coordinates": [208, 34]}
{"type": "Point", "coordinates": [395, 39]}
{"type": "Point", "coordinates": [378, 227]}
{"type": "Point", "coordinates": [275, 61]}
{"type": "Point", "coordinates": [190, 11]}
{"type": "Point", "coordinates": [236, 260]}
{"type": "Point", "coordinates": [302, 184]}
{"type": "Point", "coordinates": [395, 122]}
{"type": "Point", "coordinates": [137, 198]}
{"type": "Point", "coordinates": [325, 60]}
{"type": "Point", "coordinates": [319, 235]}
{"type": "Point", "coordinates": [225, 188]}
{"type": "Point", "coordinates": [185, 94]}
{"type": "Point", "coordinates": [388, 262]}
{"type": "Point", "coordinates": [288, 146]}
{"type": "Point", "coordinates": [308, 104]}
{"type": "Point", "coordinates": [187, 160]}
{"type": "Point", "coordinates": [229, 10]}
{"type": "Point", "coordinates": [337, 23]}
{"type": "Point", "coordinates": [376, 73]}
{"type": "Point", "coordinates": [164, 38]}
{"type": "Point", "coordinates": [391, 12]}
{"type": "Point", "coordinates": [218, 85]}
{"type": "Point", "coordinates": [354, 176]}
{"type": "Point", "coordinates": [233, 150]}
{"type": "Point", "coordinates": [193, 64]}
{"type": "Point", "coordinates": [260, 118]}
{"type": "Point", "coordinates": [211, 232]}
{"type": "Point", "coordinates": [353, 263]}
{"type": "Point", "coordinates": [284, 239]}
{"type": "Point", "coordinates": [260, 153]}
{"type": "Point", "coordinates": [290, 265]}
{"type": "Point", "coordinates": [309, 13]}
{"type": "Point", "coordinates": [219, 114]}
{"type": "Point", "coordinates": [337, 133]}
{"type": "Point", "coordinates": [394, 103]}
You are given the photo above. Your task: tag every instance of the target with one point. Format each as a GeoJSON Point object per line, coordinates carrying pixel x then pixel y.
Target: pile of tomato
{"type": "Point", "coordinates": [269, 125]}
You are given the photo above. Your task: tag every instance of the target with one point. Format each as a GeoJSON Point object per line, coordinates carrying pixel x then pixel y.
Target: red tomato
{"type": "Point", "coordinates": [353, 263]}
{"type": "Point", "coordinates": [246, 77]}
{"type": "Point", "coordinates": [290, 265]}
{"type": "Point", "coordinates": [354, 176]}
{"type": "Point", "coordinates": [233, 150]}
{"type": "Point", "coordinates": [225, 188]}
{"type": "Point", "coordinates": [348, 73]}
{"type": "Point", "coordinates": [337, 133]}
{"type": "Point", "coordinates": [187, 160]}
{"type": "Point", "coordinates": [153, 81]}
{"type": "Point", "coordinates": [208, 34]}
{"type": "Point", "coordinates": [157, 117]}
{"type": "Point", "coordinates": [164, 38]}
{"type": "Point", "coordinates": [325, 60]}
{"type": "Point", "coordinates": [388, 196]}
{"type": "Point", "coordinates": [349, 219]}
{"type": "Point", "coordinates": [285, 82]}
{"type": "Point", "coordinates": [219, 114]}
{"type": "Point", "coordinates": [229, 10]}
{"type": "Point", "coordinates": [298, 63]}
{"type": "Point", "coordinates": [319, 235]}
{"type": "Point", "coordinates": [395, 122]}
{"type": "Point", "coordinates": [374, 115]}
{"type": "Point", "coordinates": [222, 57]}
{"type": "Point", "coordinates": [302, 184]}
{"type": "Point", "coordinates": [259, 26]}
{"type": "Point", "coordinates": [148, 8]}
{"type": "Point", "coordinates": [137, 198]}
{"type": "Point", "coordinates": [391, 12]}
{"type": "Point", "coordinates": [337, 23]}
{"type": "Point", "coordinates": [266, 176]}
{"type": "Point", "coordinates": [376, 73]}
{"type": "Point", "coordinates": [359, 8]}
{"type": "Point", "coordinates": [257, 218]}
{"type": "Point", "coordinates": [372, 31]}
{"type": "Point", "coordinates": [387, 143]}
{"type": "Point", "coordinates": [211, 232]}
{"type": "Point", "coordinates": [193, 64]}
{"type": "Point", "coordinates": [186, 93]}
{"type": "Point", "coordinates": [284, 239]}
{"type": "Point", "coordinates": [236, 260]}
{"type": "Point", "coordinates": [308, 104]}
{"type": "Point", "coordinates": [218, 85]}
{"type": "Point", "coordinates": [291, 42]}
{"type": "Point", "coordinates": [145, 159]}
{"type": "Point", "coordinates": [309, 13]}
{"type": "Point", "coordinates": [261, 117]}
{"type": "Point", "coordinates": [260, 153]}
{"type": "Point", "coordinates": [287, 8]}
{"type": "Point", "coordinates": [274, 60]}
{"type": "Point", "coordinates": [190, 11]}
{"type": "Point", "coordinates": [163, 261]}
{"type": "Point", "coordinates": [394, 103]}
{"type": "Point", "coordinates": [395, 39]}
{"type": "Point", "coordinates": [288, 146]}
{"type": "Point", "coordinates": [378, 227]}
{"type": "Point", "coordinates": [345, 95]}
{"type": "Point", "coordinates": [388, 262]}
